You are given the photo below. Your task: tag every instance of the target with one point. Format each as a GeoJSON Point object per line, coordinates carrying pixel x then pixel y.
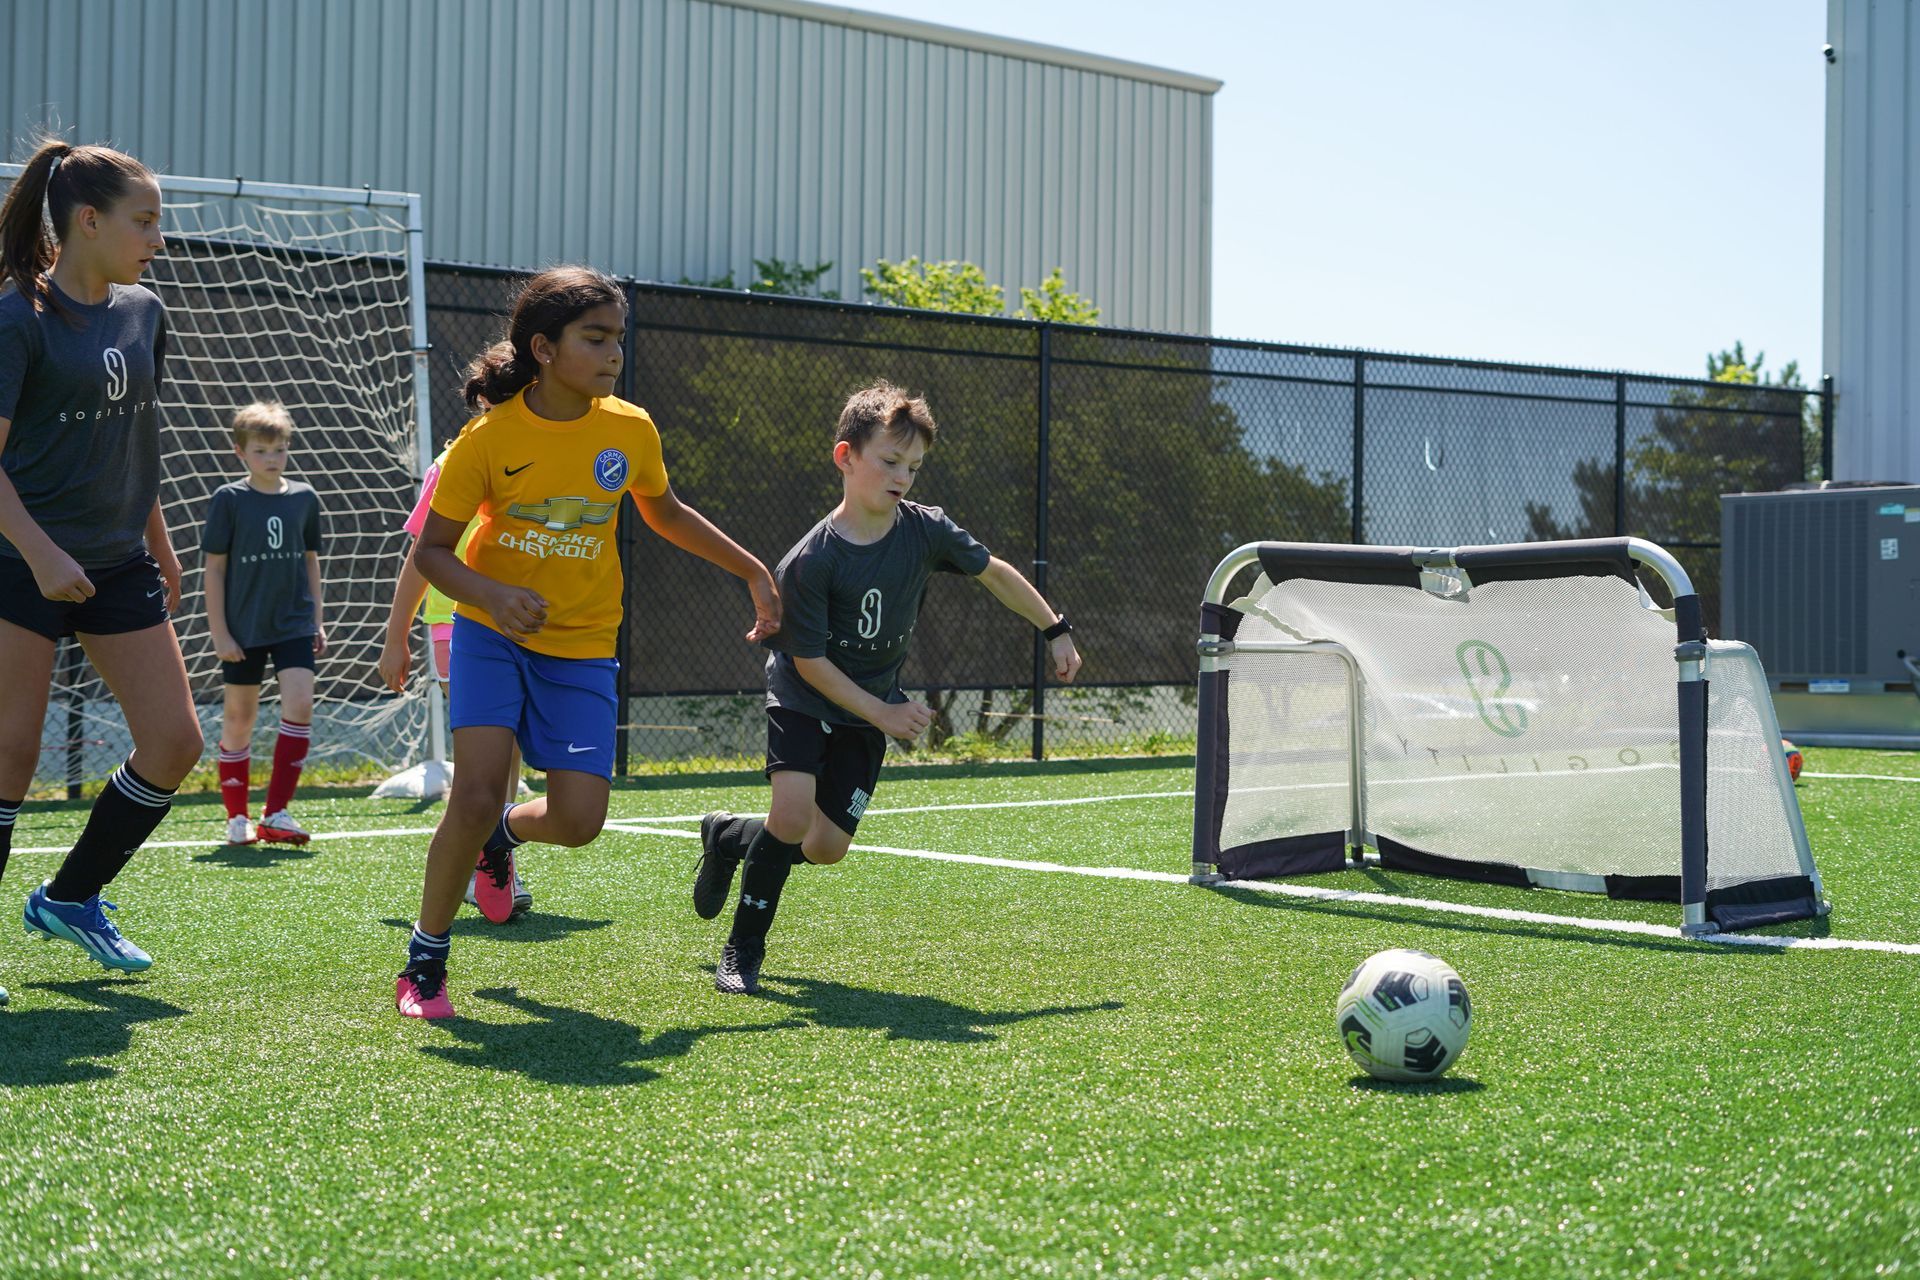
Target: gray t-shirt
{"type": "Point", "coordinates": [265, 538]}
{"type": "Point", "coordinates": [84, 449]}
{"type": "Point", "coordinates": [857, 605]}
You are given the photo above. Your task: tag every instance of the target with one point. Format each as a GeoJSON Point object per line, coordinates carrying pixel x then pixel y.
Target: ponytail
{"type": "Point", "coordinates": [547, 304]}
{"type": "Point", "coordinates": [58, 179]}
{"type": "Point", "coordinates": [497, 375]}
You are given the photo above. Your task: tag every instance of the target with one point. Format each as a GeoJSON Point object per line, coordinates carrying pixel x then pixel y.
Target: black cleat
{"type": "Point", "coordinates": [738, 973]}
{"type": "Point", "coordinates": [713, 881]}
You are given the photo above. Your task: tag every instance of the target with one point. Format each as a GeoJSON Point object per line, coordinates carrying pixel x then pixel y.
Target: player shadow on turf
{"type": "Point", "coordinates": [255, 856]}
{"type": "Point", "coordinates": [904, 1016]}
{"type": "Point", "coordinates": [59, 1045]}
{"type": "Point", "coordinates": [535, 926]}
{"type": "Point", "coordinates": [1488, 925]}
{"type": "Point", "coordinates": [569, 1046]}
{"type": "Point", "coordinates": [1445, 1084]}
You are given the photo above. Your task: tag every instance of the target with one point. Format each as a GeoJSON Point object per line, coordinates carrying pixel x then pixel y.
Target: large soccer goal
{"type": "Point", "coordinates": [1525, 714]}
{"type": "Point", "coordinates": [313, 296]}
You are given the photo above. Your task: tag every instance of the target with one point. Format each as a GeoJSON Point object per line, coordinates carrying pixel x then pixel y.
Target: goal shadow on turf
{"type": "Point", "coordinates": [566, 1046]}
{"type": "Point", "coordinates": [901, 1015]}
{"type": "Point", "coordinates": [63, 1045]}
{"type": "Point", "coordinates": [1543, 931]}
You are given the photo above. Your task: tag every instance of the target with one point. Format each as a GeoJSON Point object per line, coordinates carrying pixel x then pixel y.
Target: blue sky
{"type": "Point", "coordinates": [1614, 183]}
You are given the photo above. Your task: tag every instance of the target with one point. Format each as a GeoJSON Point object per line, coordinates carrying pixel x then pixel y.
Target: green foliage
{"type": "Point", "coordinates": [959, 287]}
{"type": "Point", "coordinates": [776, 276]}
{"type": "Point", "coordinates": [1701, 446]}
{"type": "Point", "coordinates": [1054, 301]}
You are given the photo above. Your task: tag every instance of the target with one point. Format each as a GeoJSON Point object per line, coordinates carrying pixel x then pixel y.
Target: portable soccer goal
{"type": "Point", "coordinates": [1524, 714]}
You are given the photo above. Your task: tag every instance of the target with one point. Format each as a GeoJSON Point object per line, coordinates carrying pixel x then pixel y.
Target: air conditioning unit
{"type": "Point", "coordinates": [1825, 585]}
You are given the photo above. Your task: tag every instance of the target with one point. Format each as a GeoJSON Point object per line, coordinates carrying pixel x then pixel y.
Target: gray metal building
{"type": "Point", "coordinates": [660, 138]}
{"type": "Point", "coordinates": [1872, 302]}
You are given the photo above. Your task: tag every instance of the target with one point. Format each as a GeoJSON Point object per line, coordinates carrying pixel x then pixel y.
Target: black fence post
{"type": "Point", "coordinates": [1042, 492]}
{"type": "Point", "coordinates": [1826, 427]}
{"type": "Point", "coordinates": [1359, 448]}
{"type": "Point", "coordinates": [1620, 455]}
{"type": "Point", "coordinates": [622, 681]}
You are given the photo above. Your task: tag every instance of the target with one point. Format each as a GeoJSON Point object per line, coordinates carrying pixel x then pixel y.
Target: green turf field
{"type": "Point", "coordinates": [956, 1069]}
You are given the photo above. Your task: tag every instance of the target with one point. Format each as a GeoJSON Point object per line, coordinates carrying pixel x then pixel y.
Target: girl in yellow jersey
{"type": "Point", "coordinates": [537, 599]}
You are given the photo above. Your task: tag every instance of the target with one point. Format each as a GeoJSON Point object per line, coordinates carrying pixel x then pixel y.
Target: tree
{"type": "Point", "coordinates": [1744, 434]}
{"type": "Point", "coordinates": [959, 287]}
{"type": "Point", "coordinates": [776, 275]}
{"type": "Point", "coordinates": [1054, 301]}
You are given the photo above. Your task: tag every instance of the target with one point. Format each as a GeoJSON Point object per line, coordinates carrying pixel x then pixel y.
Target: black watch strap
{"type": "Point", "coordinates": [1058, 629]}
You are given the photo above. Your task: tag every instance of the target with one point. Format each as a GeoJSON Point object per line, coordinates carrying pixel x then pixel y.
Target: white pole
{"type": "Point", "coordinates": [423, 433]}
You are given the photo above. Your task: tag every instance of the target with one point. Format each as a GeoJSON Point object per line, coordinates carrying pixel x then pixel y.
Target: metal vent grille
{"type": "Point", "coordinates": [1797, 573]}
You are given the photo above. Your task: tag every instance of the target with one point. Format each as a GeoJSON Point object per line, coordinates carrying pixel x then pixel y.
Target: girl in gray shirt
{"type": "Point", "coordinates": [83, 547]}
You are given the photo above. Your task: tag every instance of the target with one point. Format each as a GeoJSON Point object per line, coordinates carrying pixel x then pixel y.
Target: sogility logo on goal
{"type": "Point", "coordinates": [1485, 668]}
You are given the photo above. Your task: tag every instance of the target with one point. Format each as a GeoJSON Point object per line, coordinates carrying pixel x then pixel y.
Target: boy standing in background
{"type": "Point", "coordinates": [262, 547]}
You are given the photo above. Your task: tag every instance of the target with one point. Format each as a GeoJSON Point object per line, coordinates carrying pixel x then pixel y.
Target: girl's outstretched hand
{"type": "Point", "coordinates": [766, 607]}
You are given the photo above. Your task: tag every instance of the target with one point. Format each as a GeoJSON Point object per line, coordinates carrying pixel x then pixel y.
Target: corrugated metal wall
{"type": "Point", "coordinates": [661, 138]}
{"type": "Point", "coordinates": [1872, 330]}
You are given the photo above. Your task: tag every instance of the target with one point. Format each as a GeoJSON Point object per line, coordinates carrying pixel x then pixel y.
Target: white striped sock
{"type": "Point", "coordinates": [130, 786]}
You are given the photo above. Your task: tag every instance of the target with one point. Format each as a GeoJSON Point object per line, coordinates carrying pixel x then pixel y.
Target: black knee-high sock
{"type": "Point", "coordinates": [769, 861]}
{"type": "Point", "coordinates": [9, 810]}
{"type": "Point", "coordinates": [128, 810]}
{"type": "Point", "coordinates": [736, 837]}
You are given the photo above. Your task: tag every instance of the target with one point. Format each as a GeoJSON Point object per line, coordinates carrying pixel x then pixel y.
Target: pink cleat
{"type": "Point", "coordinates": [422, 990]}
{"type": "Point", "coordinates": [492, 885]}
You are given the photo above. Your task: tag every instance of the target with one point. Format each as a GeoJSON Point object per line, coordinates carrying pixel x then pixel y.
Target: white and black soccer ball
{"type": "Point", "coordinates": [1404, 1015]}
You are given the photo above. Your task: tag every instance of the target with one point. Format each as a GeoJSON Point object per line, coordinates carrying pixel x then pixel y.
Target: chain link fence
{"type": "Point", "coordinates": [1117, 468]}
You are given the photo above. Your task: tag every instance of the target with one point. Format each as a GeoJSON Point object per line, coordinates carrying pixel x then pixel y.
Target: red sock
{"type": "Point", "coordinates": [289, 753]}
{"type": "Point", "coordinates": [236, 769]}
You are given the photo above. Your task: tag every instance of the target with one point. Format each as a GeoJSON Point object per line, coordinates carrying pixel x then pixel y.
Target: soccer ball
{"type": "Point", "coordinates": [1793, 759]}
{"type": "Point", "coordinates": [1404, 1015]}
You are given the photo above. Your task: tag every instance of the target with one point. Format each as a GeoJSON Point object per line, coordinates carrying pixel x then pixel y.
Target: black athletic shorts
{"type": "Point", "coordinates": [131, 596]}
{"type": "Point", "coordinates": [844, 760]}
{"type": "Point", "coordinates": [287, 655]}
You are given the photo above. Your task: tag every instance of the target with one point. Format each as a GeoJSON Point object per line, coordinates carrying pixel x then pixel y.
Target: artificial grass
{"type": "Point", "coordinates": [957, 1069]}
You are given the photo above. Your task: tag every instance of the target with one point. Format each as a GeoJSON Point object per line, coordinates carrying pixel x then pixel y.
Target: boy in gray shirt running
{"type": "Point", "coordinates": [262, 543]}
{"type": "Point", "coordinates": [851, 592]}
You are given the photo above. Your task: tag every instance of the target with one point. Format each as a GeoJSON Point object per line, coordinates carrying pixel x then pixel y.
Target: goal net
{"type": "Point", "coordinates": [311, 296]}
{"type": "Point", "coordinates": [1521, 714]}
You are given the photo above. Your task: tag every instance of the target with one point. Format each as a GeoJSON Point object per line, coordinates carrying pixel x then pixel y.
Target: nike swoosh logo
{"type": "Point", "coordinates": [514, 471]}
{"type": "Point", "coordinates": [151, 594]}
{"type": "Point", "coordinates": [574, 751]}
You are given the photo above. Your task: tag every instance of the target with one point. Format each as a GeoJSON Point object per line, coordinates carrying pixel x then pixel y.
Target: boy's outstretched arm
{"type": "Point", "coordinates": [692, 532]}
{"type": "Point", "coordinates": [1010, 587]}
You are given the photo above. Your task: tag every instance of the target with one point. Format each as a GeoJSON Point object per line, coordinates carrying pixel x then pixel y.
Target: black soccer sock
{"type": "Point", "coordinates": [9, 810]}
{"type": "Point", "coordinates": [737, 837]}
{"type": "Point", "coordinates": [128, 810]}
{"type": "Point", "coordinates": [503, 840]}
{"type": "Point", "coordinates": [769, 862]}
{"type": "Point", "coordinates": [424, 947]}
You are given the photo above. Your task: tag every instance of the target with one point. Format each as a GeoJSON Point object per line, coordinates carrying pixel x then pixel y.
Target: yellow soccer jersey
{"type": "Point", "coordinates": [548, 496]}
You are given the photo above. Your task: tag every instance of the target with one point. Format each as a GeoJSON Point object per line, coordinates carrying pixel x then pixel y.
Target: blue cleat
{"type": "Point", "coordinates": [85, 925]}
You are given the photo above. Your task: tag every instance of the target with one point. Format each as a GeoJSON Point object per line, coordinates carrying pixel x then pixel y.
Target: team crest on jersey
{"type": "Point", "coordinates": [610, 470]}
{"type": "Point", "coordinates": [562, 514]}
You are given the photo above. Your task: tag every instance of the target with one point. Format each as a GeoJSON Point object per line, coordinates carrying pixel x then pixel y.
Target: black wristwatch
{"type": "Point", "coordinates": [1058, 629]}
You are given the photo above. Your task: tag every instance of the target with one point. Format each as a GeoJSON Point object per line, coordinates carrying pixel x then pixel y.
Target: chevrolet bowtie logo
{"type": "Point", "coordinates": [562, 514]}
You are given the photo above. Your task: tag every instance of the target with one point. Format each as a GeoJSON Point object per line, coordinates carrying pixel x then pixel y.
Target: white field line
{"type": "Point", "coordinates": [1313, 894]}
{"type": "Point", "coordinates": [215, 842]}
{"type": "Point", "coordinates": [647, 826]}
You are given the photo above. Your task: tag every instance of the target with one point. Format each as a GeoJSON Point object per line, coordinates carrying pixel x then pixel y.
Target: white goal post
{"type": "Point", "coordinates": [1523, 714]}
{"type": "Point", "coordinates": [316, 297]}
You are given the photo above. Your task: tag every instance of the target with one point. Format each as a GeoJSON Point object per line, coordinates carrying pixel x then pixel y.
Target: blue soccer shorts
{"type": "Point", "coordinates": [563, 710]}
